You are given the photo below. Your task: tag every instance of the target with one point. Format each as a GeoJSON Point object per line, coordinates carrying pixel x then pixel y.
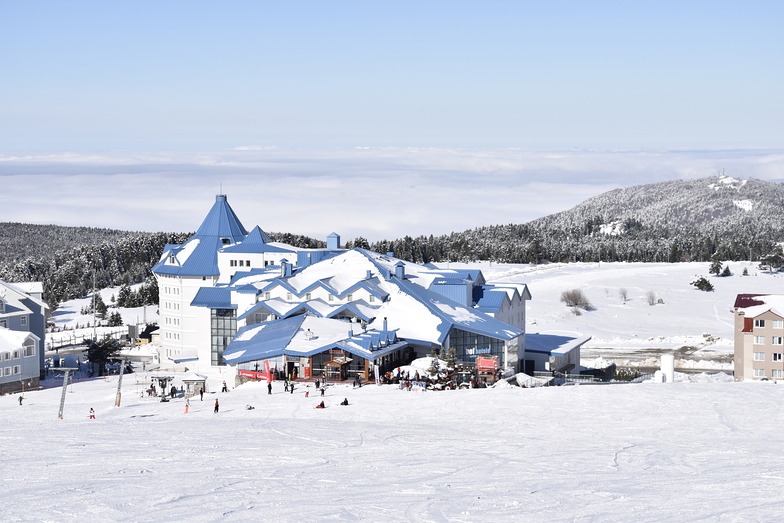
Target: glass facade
{"type": "Point", "coordinates": [469, 345]}
{"type": "Point", "coordinates": [224, 327]}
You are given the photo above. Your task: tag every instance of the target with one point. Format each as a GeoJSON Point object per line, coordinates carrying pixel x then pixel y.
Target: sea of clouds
{"type": "Point", "coordinates": [373, 192]}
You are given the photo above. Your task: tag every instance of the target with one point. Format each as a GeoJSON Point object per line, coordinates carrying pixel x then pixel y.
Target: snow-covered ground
{"type": "Point", "coordinates": [633, 332]}
{"type": "Point", "coordinates": [68, 317]}
{"type": "Point", "coordinates": [640, 452]}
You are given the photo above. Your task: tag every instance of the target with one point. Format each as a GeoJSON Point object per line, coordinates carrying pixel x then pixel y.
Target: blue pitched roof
{"type": "Point", "coordinates": [213, 298]}
{"type": "Point", "coordinates": [273, 338]}
{"type": "Point", "coordinates": [257, 241]}
{"type": "Point", "coordinates": [202, 248]}
{"type": "Point", "coordinates": [222, 222]}
{"type": "Point", "coordinates": [488, 300]}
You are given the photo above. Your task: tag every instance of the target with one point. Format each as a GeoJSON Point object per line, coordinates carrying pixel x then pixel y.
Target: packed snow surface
{"type": "Point", "coordinates": [640, 452]}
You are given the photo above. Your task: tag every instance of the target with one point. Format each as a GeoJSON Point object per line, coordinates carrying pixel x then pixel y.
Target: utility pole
{"type": "Point", "coordinates": [65, 386]}
{"type": "Point", "coordinates": [95, 336]}
{"type": "Point", "coordinates": [119, 384]}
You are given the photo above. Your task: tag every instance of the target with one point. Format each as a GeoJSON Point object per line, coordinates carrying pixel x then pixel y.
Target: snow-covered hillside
{"type": "Point", "coordinates": [632, 330]}
{"type": "Point", "coordinates": [643, 453]}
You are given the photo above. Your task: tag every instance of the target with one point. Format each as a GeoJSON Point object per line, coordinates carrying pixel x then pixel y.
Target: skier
{"type": "Point", "coordinates": [201, 393]}
{"type": "Point", "coordinates": [225, 388]}
{"type": "Point", "coordinates": [20, 400]}
{"type": "Point", "coordinates": [187, 404]}
{"type": "Point", "coordinates": [322, 392]}
{"type": "Point", "coordinates": [269, 387]}
{"type": "Point", "coordinates": [285, 386]}
{"type": "Point", "coordinates": [216, 405]}
{"type": "Point", "coordinates": [92, 413]}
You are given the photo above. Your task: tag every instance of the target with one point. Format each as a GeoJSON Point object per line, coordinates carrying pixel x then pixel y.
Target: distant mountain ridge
{"type": "Point", "coordinates": [679, 220]}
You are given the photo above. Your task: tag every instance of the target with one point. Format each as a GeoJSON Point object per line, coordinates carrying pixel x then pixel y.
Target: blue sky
{"type": "Point", "coordinates": [318, 79]}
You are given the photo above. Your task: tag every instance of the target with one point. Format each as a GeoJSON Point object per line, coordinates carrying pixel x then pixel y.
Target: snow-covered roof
{"type": "Point", "coordinates": [305, 336]}
{"type": "Point", "coordinates": [755, 304]}
{"type": "Point", "coordinates": [13, 340]}
{"type": "Point", "coordinates": [553, 344]}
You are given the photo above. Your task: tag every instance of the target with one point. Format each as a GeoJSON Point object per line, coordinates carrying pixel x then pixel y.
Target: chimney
{"type": "Point", "coordinates": [368, 275]}
{"type": "Point", "coordinates": [385, 323]}
{"type": "Point", "coordinates": [400, 270]}
{"type": "Point", "coordinates": [333, 241]}
{"type": "Point", "coordinates": [285, 268]}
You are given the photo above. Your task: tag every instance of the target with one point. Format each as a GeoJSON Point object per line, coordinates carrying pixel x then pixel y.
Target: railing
{"type": "Point", "coordinates": [68, 340]}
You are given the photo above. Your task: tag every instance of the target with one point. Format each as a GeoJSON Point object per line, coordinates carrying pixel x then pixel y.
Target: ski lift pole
{"type": "Point", "coordinates": [62, 397]}
{"type": "Point", "coordinates": [119, 384]}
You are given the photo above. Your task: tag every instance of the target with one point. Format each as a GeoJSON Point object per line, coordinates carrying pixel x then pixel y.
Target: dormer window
{"type": "Point", "coordinates": [225, 241]}
{"type": "Point", "coordinates": [349, 297]}
{"type": "Point", "coordinates": [2, 306]}
{"type": "Point", "coordinates": [172, 259]}
{"type": "Point", "coordinates": [307, 296]}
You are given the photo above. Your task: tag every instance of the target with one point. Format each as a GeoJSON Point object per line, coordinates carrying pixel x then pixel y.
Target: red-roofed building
{"type": "Point", "coordinates": [759, 336]}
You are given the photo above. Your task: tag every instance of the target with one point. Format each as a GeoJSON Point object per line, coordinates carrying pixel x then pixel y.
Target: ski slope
{"type": "Point", "coordinates": [638, 452]}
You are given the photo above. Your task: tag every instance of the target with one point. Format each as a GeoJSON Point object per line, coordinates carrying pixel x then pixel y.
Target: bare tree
{"type": "Point", "coordinates": [624, 293]}
{"type": "Point", "coordinates": [576, 298]}
{"type": "Point", "coordinates": [651, 298]}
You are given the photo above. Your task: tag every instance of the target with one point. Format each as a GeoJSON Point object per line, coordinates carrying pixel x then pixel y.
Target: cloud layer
{"type": "Point", "coordinates": [372, 192]}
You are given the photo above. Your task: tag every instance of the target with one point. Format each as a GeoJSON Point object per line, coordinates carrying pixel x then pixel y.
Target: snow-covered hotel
{"type": "Point", "coordinates": [234, 298]}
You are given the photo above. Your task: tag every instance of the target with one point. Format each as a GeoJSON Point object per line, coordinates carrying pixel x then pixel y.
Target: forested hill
{"type": "Point", "coordinates": [682, 220]}
{"type": "Point", "coordinates": [65, 259]}
{"type": "Point", "coordinates": [24, 240]}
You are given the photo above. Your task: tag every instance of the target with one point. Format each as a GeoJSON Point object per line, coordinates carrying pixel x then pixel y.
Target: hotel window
{"type": "Point", "coordinates": [29, 348]}
{"type": "Point", "coordinates": [6, 356]}
{"type": "Point", "coordinates": [3, 323]}
{"type": "Point", "coordinates": [778, 324]}
{"type": "Point", "coordinates": [2, 306]}
{"type": "Point", "coordinates": [759, 323]}
{"type": "Point", "coordinates": [266, 295]}
{"type": "Point", "coordinates": [242, 263]}
{"type": "Point", "coordinates": [307, 296]}
{"type": "Point", "coordinates": [331, 297]}
{"type": "Point", "coordinates": [776, 356]}
{"type": "Point", "coordinates": [349, 297]}
{"type": "Point", "coordinates": [778, 340]}
{"type": "Point", "coordinates": [759, 373]}
{"type": "Point", "coordinates": [288, 295]}
{"type": "Point", "coordinates": [776, 373]}
{"type": "Point", "coordinates": [17, 369]}
{"type": "Point", "coordinates": [759, 356]}
{"type": "Point", "coordinates": [372, 298]}
{"type": "Point", "coordinates": [759, 340]}
{"type": "Point", "coordinates": [247, 263]}
{"type": "Point", "coordinates": [16, 354]}
{"type": "Point", "coordinates": [23, 321]}
{"type": "Point", "coordinates": [7, 371]}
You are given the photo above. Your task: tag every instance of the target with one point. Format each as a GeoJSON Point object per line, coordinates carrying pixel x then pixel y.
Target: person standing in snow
{"type": "Point", "coordinates": [216, 405]}
{"type": "Point", "coordinates": [291, 387]}
{"type": "Point", "coordinates": [92, 413]}
{"type": "Point", "coordinates": [20, 400]}
{"type": "Point", "coordinates": [269, 387]}
{"type": "Point", "coordinates": [201, 393]}
{"type": "Point", "coordinates": [187, 404]}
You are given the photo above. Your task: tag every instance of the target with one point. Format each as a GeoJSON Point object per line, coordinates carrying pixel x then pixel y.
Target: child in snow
{"type": "Point", "coordinates": [92, 413]}
{"type": "Point", "coordinates": [344, 402]}
{"type": "Point", "coordinates": [321, 406]}
{"type": "Point", "coordinates": [216, 406]}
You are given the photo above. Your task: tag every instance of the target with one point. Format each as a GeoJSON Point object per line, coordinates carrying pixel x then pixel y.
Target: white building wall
{"type": "Point", "coordinates": [179, 324]}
